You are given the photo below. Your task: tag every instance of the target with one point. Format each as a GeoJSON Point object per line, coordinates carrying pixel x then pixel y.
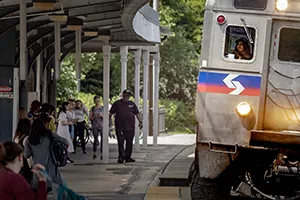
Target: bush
{"type": "Point", "coordinates": [179, 116]}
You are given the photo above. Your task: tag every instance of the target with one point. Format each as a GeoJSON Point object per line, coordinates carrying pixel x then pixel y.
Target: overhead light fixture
{"type": "Point", "coordinates": [44, 4]}
{"type": "Point", "coordinates": [58, 17]}
{"type": "Point", "coordinates": [91, 33]}
{"type": "Point", "coordinates": [104, 37]}
{"type": "Point", "coordinates": [74, 24]}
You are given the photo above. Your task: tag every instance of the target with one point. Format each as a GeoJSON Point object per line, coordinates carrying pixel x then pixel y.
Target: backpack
{"type": "Point", "coordinates": [58, 152]}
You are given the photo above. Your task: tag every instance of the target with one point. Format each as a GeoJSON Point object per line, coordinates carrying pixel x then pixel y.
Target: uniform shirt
{"type": "Point", "coordinates": [125, 115]}
{"type": "Point", "coordinates": [14, 187]}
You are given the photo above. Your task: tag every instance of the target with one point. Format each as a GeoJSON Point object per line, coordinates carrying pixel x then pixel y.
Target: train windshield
{"type": "Point", "coordinates": [237, 44]}
{"type": "Point", "coordinates": [289, 48]}
{"type": "Point", "coordinates": [252, 4]}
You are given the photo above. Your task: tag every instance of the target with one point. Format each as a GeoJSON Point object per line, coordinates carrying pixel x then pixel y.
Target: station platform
{"type": "Point", "coordinates": [113, 181]}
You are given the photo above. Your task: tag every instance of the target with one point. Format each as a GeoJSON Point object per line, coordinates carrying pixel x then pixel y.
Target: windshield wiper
{"type": "Point", "coordinates": [247, 30]}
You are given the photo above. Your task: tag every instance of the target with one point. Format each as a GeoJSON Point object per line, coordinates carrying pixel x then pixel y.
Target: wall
{"type": "Point", "coordinates": [7, 60]}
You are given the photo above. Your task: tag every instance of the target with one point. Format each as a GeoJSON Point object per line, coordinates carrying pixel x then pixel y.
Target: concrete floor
{"type": "Point", "coordinates": [114, 181]}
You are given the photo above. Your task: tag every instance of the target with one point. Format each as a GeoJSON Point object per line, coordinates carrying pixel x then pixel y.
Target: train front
{"type": "Point", "coordinates": [248, 100]}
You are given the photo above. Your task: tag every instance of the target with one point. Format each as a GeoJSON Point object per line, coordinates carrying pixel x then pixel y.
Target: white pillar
{"type": "Point", "coordinates": [38, 76]}
{"type": "Point", "coordinates": [156, 98]}
{"type": "Point", "coordinates": [45, 85]}
{"type": "Point", "coordinates": [137, 80]}
{"type": "Point", "coordinates": [145, 97]}
{"type": "Point", "coordinates": [106, 79]}
{"type": "Point", "coordinates": [155, 5]}
{"type": "Point", "coordinates": [23, 40]}
{"type": "Point", "coordinates": [15, 101]}
{"type": "Point", "coordinates": [124, 58]}
{"type": "Point", "coordinates": [57, 36]}
{"type": "Point", "coordinates": [78, 58]}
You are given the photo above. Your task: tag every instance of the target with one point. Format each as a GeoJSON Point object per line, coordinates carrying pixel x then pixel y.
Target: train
{"type": "Point", "coordinates": [248, 102]}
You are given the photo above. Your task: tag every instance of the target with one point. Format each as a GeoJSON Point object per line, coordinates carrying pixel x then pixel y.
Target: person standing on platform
{"type": "Point", "coordinates": [125, 111]}
{"type": "Point", "coordinates": [96, 117]}
{"type": "Point", "coordinates": [80, 112]}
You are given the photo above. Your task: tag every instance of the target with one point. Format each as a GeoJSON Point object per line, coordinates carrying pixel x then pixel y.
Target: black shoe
{"type": "Point", "coordinates": [129, 160]}
{"type": "Point", "coordinates": [101, 158]}
{"type": "Point", "coordinates": [84, 152]}
{"type": "Point", "coordinates": [74, 152]}
{"type": "Point", "coordinates": [120, 160]}
{"type": "Point", "coordinates": [69, 160]}
{"type": "Point", "coordinates": [94, 157]}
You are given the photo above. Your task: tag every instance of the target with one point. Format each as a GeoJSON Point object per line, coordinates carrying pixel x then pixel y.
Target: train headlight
{"type": "Point", "coordinates": [243, 109]}
{"type": "Point", "coordinates": [281, 5]}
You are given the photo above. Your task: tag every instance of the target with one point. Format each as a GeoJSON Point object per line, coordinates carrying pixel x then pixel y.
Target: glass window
{"type": "Point", "coordinates": [251, 4]}
{"type": "Point", "coordinates": [289, 48]}
{"type": "Point", "coordinates": [237, 43]}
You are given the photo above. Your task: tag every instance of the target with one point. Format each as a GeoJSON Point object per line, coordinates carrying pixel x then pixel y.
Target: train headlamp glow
{"type": "Point", "coordinates": [281, 5]}
{"type": "Point", "coordinates": [243, 109]}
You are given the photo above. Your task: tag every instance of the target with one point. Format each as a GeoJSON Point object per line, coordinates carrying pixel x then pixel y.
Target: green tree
{"type": "Point", "coordinates": [179, 68]}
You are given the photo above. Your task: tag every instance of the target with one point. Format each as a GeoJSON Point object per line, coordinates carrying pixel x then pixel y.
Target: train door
{"type": "Point", "coordinates": [282, 107]}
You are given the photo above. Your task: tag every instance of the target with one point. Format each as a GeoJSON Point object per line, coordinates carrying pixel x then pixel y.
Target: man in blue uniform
{"type": "Point", "coordinates": [125, 111]}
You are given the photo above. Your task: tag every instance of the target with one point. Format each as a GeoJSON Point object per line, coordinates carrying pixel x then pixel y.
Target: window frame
{"type": "Point", "coordinates": [254, 48]}
{"type": "Point", "coordinates": [277, 46]}
{"type": "Point", "coordinates": [247, 8]}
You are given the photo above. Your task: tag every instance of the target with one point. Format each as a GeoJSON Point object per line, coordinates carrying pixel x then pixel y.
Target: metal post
{"type": "Point", "coordinates": [124, 55]}
{"type": "Point", "coordinates": [156, 5]}
{"type": "Point", "coordinates": [38, 76]}
{"type": "Point", "coordinates": [45, 91]}
{"type": "Point", "coordinates": [15, 100]}
{"type": "Point", "coordinates": [156, 98]}
{"type": "Point", "coordinates": [57, 49]}
{"type": "Point", "coordinates": [137, 80]}
{"type": "Point", "coordinates": [106, 79]}
{"type": "Point", "coordinates": [23, 55]}
{"type": "Point", "coordinates": [145, 97]}
{"type": "Point", "coordinates": [151, 96]}
{"type": "Point", "coordinates": [78, 58]}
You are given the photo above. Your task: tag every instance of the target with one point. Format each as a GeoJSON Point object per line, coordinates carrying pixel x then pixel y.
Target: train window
{"type": "Point", "coordinates": [237, 43]}
{"type": "Point", "coordinates": [289, 48]}
{"type": "Point", "coordinates": [252, 4]}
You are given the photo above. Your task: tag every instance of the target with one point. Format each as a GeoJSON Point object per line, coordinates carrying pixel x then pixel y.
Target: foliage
{"type": "Point", "coordinates": [185, 17]}
{"type": "Point", "coordinates": [179, 67]}
{"type": "Point", "coordinates": [67, 84]}
{"type": "Point", "coordinates": [179, 116]}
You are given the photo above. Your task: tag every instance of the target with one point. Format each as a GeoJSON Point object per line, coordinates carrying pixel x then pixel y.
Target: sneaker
{"type": "Point", "coordinates": [120, 160]}
{"type": "Point", "coordinates": [70, 161]}
{"type": "Point", "coordinates": [129, 160]}
{"type": "Point", "coordinates": [94, 157]}
{"type": "Point", "coordinates": [84, 152]}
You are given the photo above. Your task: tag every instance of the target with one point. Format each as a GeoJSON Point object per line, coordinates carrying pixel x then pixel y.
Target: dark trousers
{"type": "Point", "coordinates": [79, 131]}
{"type": "Point", "coordinates": [96, 133]}
{"type": "Point", "coordinates": [123, 136]}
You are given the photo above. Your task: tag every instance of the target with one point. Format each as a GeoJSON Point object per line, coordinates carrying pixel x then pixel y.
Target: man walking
{"type": "Point", "coordinates": [125, 111]}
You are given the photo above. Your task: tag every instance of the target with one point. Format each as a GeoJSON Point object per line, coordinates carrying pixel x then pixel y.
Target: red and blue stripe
{"type": "Point", "coordinates": [213, 83]}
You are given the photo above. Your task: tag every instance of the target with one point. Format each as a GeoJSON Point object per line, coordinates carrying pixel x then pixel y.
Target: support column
{"type": "Point", "coordinates": [151, 95]}
{"type": "Point", "coordinates": [137, 81]}
{"type": "Point", "coordinates": [57, 49]}
{"type": "Point", "coordinates": [23, 55]}
{"type": "Point", "coordinates": [78, 59]}
{"type": "Point", "coordinates": [145, 97]}
{"type": "Point", "coordinates": [156, 98]}
{"type": "Point", "coordinates": [106, 78]}
{"type": "Point", "coordinates": [15, 100]}
{"type": "Point", "coordinates": [124, 58]}
{"type": "Point", "coordinates": [38, 75]}
{"type": "Point", "coordinates": [45, 83]}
